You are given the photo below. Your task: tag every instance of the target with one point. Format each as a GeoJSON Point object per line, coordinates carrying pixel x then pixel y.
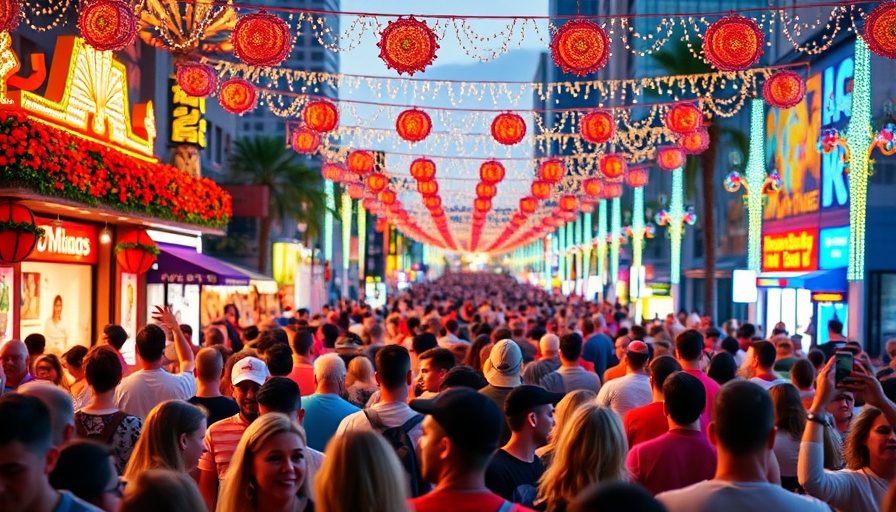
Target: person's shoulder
{"type": "Point", "coordinates": [71, 503]}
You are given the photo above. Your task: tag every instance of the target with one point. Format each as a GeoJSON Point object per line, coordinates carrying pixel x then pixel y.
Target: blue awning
{"type": "Point", "coordinates": [821, 281]}
{"type": "Point", "coordinates": [183, 265]}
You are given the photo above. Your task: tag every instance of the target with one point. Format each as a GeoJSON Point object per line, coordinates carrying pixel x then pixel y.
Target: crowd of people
{"type": "Point", "coordinates": [471, 393]}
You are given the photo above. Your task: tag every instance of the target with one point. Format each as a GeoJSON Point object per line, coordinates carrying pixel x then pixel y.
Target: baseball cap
{"type": "Point", "coordinates": [637, 347]}
{"type": "Point", "coordinates": [451, 410]}
{"type": "Point", "coordinates": [524, 398]}
{"type": "Point", "coordinates": [504, 365]}
{"type": "Point", "coordinates": [249, 368]}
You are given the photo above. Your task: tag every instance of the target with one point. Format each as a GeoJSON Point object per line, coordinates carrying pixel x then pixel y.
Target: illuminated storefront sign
{"type": "Point", "coordinates": [833, 248]}
{"type": "Point", "coordinates": [791, 251]}
{"type": "Point", "coordinates": [66, 242]}
{"type": "Point", "coordinates": [188, 125]}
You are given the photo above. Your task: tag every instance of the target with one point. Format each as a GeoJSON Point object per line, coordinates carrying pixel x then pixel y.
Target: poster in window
{"type": "Point", "coordinates": [30, 305]}
{"type": "Point", "coordinates": [7, 313]}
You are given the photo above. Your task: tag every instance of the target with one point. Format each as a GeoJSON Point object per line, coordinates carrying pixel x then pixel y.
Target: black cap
{"type": "Point", "coordinates": [525, 398]}
{"type": "Point", "coordinates": [116, 335]}
{"type": "Point", "coordinates": [469, 418]}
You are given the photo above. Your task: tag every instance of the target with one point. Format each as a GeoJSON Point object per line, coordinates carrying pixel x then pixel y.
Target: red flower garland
{"type": "Point", "coordinates": [684, 118]}
{"type": "Point", "coordinates": [305, 141]}
{"type": "Point", "coordinates": [197, 79]}
{"type": "Point", "coordinates": [784, 89]}
{"type": "Point", "coordinates": [413, 125]}
{"type": "Point", "coordinates": [597, 127]}
{"type": "Point", "coordinates": [732, 43]}
{"type": "Point", "coordinates": [261, 39]}
{"type": "Point", "coordinates": [407, 45]}
{"type": "Point", "coordinates": [695, 143]}
{"type": "Point", "coordinates": [320, 116]}
{"type": "Point", "coordinates": [10, 15]}
{"type": "Point", "coordinates": [237, 96]}
{"type": "Point", "coordinates": [880, 30]}
{"type": "Point", "coordinates": [508, 128]}
{"type": "Point", "coordinates": [107, 24]}
{"type": "Point", "coordinates": [580, 47]}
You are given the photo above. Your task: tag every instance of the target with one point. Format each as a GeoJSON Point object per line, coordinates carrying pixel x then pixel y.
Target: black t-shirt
{"type": "Point", "coordinates": [219, 407]}
{"type": "Point", "coordinates": [514, 479]}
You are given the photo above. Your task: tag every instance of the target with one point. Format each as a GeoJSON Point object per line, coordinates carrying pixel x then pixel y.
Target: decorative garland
{"type": "Point", "coordinates": [25, 227]}
{"type": "Point", "coordinates": [151, 249]}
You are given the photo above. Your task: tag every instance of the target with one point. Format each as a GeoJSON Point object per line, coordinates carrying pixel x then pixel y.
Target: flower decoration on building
{"type": "Point", "coordinates": [136, 252]}
{"type": "Point", "coordinates": [580, 47]}
{"type": "Point", "coordinates": [694, 143]}
{"type": "Point", "coordinates": [320, 116]}
{"type": "Point", "coordinates": [771, 184]}
{"type": "Point", "coordinates": [377, 181]}
{"type": "Point", "coordinates": [541, 189]}
{"type": "Point", "coordinates": [407, 45]}
{"type": "Point", "coordinates": [261, 39]}
{"type": "Point", "coordinates": [107, 24]}
{"type": "Point", "coordinates": [10, 15]}
{"type": "Point", "coordinates": [508, 128]}
{"type": "Point", "coordinates": [551, 170]}
{"type": "Point", "coordinates": [19, 232]}
{"type": "Point", "coordinates": [304, 141]}
{"type": "Point", "coordinates": [684, 118]}
{"type": "Point", "coordinates": [612, 166]}
{"type": "Point", "coordinates": [832, 140]}
{"type": "Point", "coordinates": [669, 158]}
{"type": "Point", "coordinates": [413, 125]}
{"type": "Point", "coordinates": [597, 127]}
{"type": "Point", "coordinates": [732, 43]}
{"type": "Point", "coordinates": [734, 181]}
{"type": "Point", "coordinates": [423, 169]}
{"type": "Point", "coordinates": [880, 30]}
{"type": "Point", "coordinates": [637, 177]}
{"type": "Point", "coordinates": [360, 162]}
{"type": "Point", "coordinates": [491, 171]}
{"type": "Point", "coordinates": [885, 139]}
{"type": "Point", "coordinates": [784, 89]}
{"type": "Point", "coordinates": [332, 171]}
{"type": "Point", "coordinates": [196, 79]}
{"type": "Point", "coordinates": [592, 187]}
{"type": "Point", "coordinates": [237, 96]}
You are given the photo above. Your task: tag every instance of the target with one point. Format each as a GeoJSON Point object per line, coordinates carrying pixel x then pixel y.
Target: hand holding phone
{"type": "Point", "coordinates": [842, 366]}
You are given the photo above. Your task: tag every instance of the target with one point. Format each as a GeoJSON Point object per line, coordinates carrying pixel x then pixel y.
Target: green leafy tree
{"type": "Point", "coordinates": [296, 191]}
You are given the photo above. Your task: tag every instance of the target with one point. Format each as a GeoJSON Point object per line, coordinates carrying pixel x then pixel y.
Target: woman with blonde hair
{"type": "Point", "coordinates": [359, 382]}
{"type": "Point", "coordinates": [564, 410]}
{"type": "Point", "coordinates": [269, 469]}
{"type": "Point", "coordinates": [162, 490]}
{"type": "Point", "coordinates": [171, 438]}
{"type": "Point", "coordinates": [591, 448]}
{"type": "Point", "coordinates": [370, 476]}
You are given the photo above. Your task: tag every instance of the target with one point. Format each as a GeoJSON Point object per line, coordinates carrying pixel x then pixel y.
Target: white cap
{"type": "Point", "coordinates": [250, 368]}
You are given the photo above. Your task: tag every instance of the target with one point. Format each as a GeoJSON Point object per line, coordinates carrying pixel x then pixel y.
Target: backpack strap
{"type": "Point", "coordinates": [506, 506]}
{"type": "Point", "coordinates": [107, 433]}
{"type": "Point", "coordinates": [411, 423]}
{"type": "Point", "coordinates": [80, 431]}
{"type": "Point", "coordinates": [374, 418]}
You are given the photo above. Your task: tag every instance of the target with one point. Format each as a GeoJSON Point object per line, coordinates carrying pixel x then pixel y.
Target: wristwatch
{"type": "Point", "coordinates": [820, 419]}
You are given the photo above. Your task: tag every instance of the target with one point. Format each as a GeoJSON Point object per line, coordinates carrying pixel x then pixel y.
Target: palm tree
{"type": "Point", "coordinates": [296, 191]}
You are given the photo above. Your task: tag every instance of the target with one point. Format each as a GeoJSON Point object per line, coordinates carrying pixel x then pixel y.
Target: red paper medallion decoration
{"type": "Point", "coordinates": [305, 141]}
{"type": "Point", "coordinates": [320, 116]}
{"type": "Point", "coordinates": [597, 127]}
{"type": "Point", "coordinates": [486, 190]}
{"type": "Point", "coordinates": [261, 39]}
{"type": "Point", "coordinates": [196, 79]}
{"type": "Point", "coordinates": [332, 172]}
{"type": "Point", "coordinates": [528, 204]}
{"type": "Point", "coordinates": [136, 252]}
{"type": "Point", "coordinates": [407, 45]}
{"type": "Point", "coordinates": [695, 143]}
{"type": "Point", "coordinates": [360, 162]}
{"type": "Point", "coordinates": [669, 158]}
{"type": "Point", "coordinates": [428, 188]}
{"type": "Point", "coordinates": [580, 47]}
{"type": "Point", "coordinates": [592, 187]}
{"type": "Point", "coordinates": [552, 170]}
{"type": "Point", "coordinates": [18, 233]}
{"type": "Point", "coordinates": [388, 197]}
{"type": "Point", "coordinates": [612, 191]}
{"type": "Point", "coordinates": [785, 89]}
{"type": "Point", "coordinates": [568, 202]}
{"type": "Point", "coordinates": [377, 181]}
{"type": "Point", "coordinates": [880, 30]}
{"type": "Point", "coordinates": [684, 118]}
{"type": "Point", "coordinates": [237, 96]}
{"type": "Point", "coordinates": [508, 129]}
{"type": "Point", "coordinates": [413, 125]}
{"type": "Point", "coordinates": [541, 189]}
{"type": "Point", "coordinates": [491, 171]}
{"type": "Point", "coordinates": [637, 177]}
{"type": "Point", "coordinates": [423, 169]}
{"type": "Point", "coordinates": [732, 43]}
{"type": "Point", "coordinates": [107, 24]}
{"type": "Point", "coordinates": [613, 166]}
{"type": "Point", "coordinates": [10, 15]}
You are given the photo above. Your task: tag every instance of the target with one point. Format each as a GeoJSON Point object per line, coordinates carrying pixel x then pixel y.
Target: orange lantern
{"type": "Point", "coordinates": [355, 190]}
{"type": "Point", "coordinates": [486, 190]}
{"type": "Point", "coordinates": [597, 127]}
{"type": "Point", "coordinates": [388, 197]}
{"type": "Point", "coordinates": [568, 202]}
{"type": "Point", "coordinates": [529, 204]}
{"type": "Point", "coordinates": [413, 125]}
{"type": "Point", "coordinates": [880, 30]}
{"type": "Point", "coordinates": [491, 171]}
{"type": "Point", "coordinates": [407, 45]}
{"type": "Point", "coordinates": [482, 204]}
{"type": "Point", "coordinates": [552, 170]}
{"type": "Point", "coordinates": [305, 141]}
{"type": "Point", "coordinates": [592, 187]}
{"type": "Point", "coordinates": [196, 79]}
{"type": "Point", "coordinates": [332, 172]}
{"type": "Point", "coordinates": [637, 177]}
{"type": "Point", "coordinates": [684, 118]}
{"type": "Point", "coordinates": [785, 89]}
{"type": "Point", "coordinates": [612, 190]}
{"type": "Point", "coordinates": [669, 158]}
{"type": "Point", "coordinates": [508, 128]}
{"type": "Point", "coordinates": [580, 47]}
{"type": "Point", "coordinates": [423, 169]}
{"type": "Point", "coordinates": [694, 143]}
{"type": "Point", "coordinates": [237, 96]}
{"type": "Point", "coordinates": [428, 188]}
{"type": "Point", "coordinates": [136, 252]}
{"type": "Point", "coordinates": [320, 116]}
{"type": "Point", "coordinates": [261, 39]}
{"type": "Point", "coordinates": [106, 24]}
{"type": "Point", "coordinates": [377, 181]}
{"type": "Point", "coordinates": [436, 213]}
{"type": "Point", "coordinates": [613, 166]}
{"type": "Point", "coordinates": [360, 162]}
{"type": "Point", "coordinates": [518, 220]}
{"type": "Point", "coordinates": [10, 15]}
{"type": "Point", "coordinates": [541, 189]}
{"type": "Point", "coordinates": [732, 43]}
{"type": "Point", "coordinates": [432, 202]}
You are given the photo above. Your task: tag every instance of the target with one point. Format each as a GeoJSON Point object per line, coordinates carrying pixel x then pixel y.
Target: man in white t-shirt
{"type": "Point", "coordinates": [762, 355]}
{"type": "Point", "coordinates": [743, 431]}
{"type": "Point", "coordinates": [632, 391]}
{"type": "Point", "coordinates": [142, 390]}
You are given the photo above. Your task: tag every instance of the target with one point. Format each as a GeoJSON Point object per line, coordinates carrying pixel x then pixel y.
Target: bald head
{"type": "Point", "coordinates": [14, 356]}
{"type": "Point", "coordinates": [59, 402]}
{"type": "Point", "coordinates": [549, 345]}
{"type": "Point", "coordinates": [209, 365]}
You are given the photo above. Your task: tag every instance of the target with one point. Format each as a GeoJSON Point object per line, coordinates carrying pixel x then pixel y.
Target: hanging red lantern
{"type": "Point", "coordinates": [388, 197]}
{"type": "Point", "coordinates": [684, 118]}
{"type": "Point", "coordinates": [107, 24]}
{"type": "Point", "coordinates": [432, 202]}
{"type": "Point", "coordinates": [304, 141]}
{"type": "Point", "coordinates": [261, 39]}
{"type": "Point", "coordinates": [586, 207]}
{"type": "Point", "coordinates": [552, 170]}
{"type": "Point", "coordinates": [612, 191]}
{"type": "Point", "coordinates": [491, 171]}
{"type": "Point", "coordinates": [529, 204]}
{"type": "Point", "coordinates": [10, 15]}
{"type": "Point", "coordinates": [568, 216]}
{"type": "Point", "coordinates": [637, 177]}
{"type": "Point", "coordinates": [370, 204]}
{"type": "Point", "coordinates": [332, 172]}
{"type": "Point", "coordinates": [597, 127]}
{"type": "Point", "coordinates": [19, 233]}
{"type": "Point", "coordinates": [580, 47]}
{"type": "Point", "coordinates": [196, 79]}
{"type": "Point", "coordinates": [669, 158]}
{"type": "Point", "coordinates": [413, 125]}
{"type": "Point", "coordinates": [732, 43]}
{"type": "Point", "coordinates": [613, 166]}
{"type": "Point", "coordinates": [423, 169]}
{"type": "Point", "coordinates": [377, 181]}
{"type": "Point", "coordinates": [880, 30]}
{"type": "Point", "coordinates": [237, 96]}
{"type": "Point", "coordinates": [428, 188]}
{"type": "Point", "coordinates": [568, 202]}
{"type": "Point", "coordinates": [486, 190]}
{"type": "Point", "coordinates": [407, 45]}
{"type": "Point", "coordinates": [360, 162]}
{"type": "Point", "coordinates": [518, 220]}
{"type": "Point", "coordinates": [541, 189]}
{"type": "Point", "coordinates": [482, 204]}
{"type": "Point", "coordinates": [355, 190]}
{"type": "Point", "coordinates": [592, 187]}
{"type": "Point", "coordinates": [785, 89]}
{"type": "Point", "coordinates": [320, 116]}
{"type": "Point", "coordinates": [694, 143]}
{"type": "Point", "coordinates": [508, 128]}
{"type": "Point", "coordinates": [136, 252]}
{"type": "Point", "coordinates": [436, 213]}
{"type": "Point", "coordinates": [550, 222]}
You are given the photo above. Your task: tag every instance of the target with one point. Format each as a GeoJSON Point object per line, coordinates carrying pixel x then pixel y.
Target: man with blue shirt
{"type": "Point", "coordinates": [326, 408]}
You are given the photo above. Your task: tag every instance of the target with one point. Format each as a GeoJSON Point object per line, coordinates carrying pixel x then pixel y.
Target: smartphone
{"type": "Point", "coordinates": [842, 366]}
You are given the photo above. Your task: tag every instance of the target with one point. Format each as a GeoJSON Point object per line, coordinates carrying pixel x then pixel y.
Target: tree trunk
{"type": "Point", "coordinates": [264, 236]}
{"type": "Point", "coordinates": [708, 175]}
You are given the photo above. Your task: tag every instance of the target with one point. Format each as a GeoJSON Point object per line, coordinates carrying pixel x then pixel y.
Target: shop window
{"type": "Point", "coordinates": [317, 56]}
{"type": "Point", "coordinates": [882, 311]}
{"type": "Point", "coordinates": [57, 302]}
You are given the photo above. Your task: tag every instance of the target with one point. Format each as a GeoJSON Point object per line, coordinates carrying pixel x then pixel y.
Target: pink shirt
{"type": "Point", "coordinates": [220, 442]}
{"type": "Point", "coordinates": [304, 377]}
{"type": "Point", "coordinates": [674, 460]}
{"type": "Point", "coordinates": [712, 389]}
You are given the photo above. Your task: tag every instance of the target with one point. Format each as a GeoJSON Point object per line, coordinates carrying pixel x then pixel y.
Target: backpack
{"type": "Point", "coordinates": [400, 440]}
{"type": "Point", "coordinates": [105, 436]}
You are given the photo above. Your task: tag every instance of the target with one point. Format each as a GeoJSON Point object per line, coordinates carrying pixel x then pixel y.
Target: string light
{"type": "Point", "coordinates": [858, 136]}
{"type": "Point", "coordinates": [755, 178]}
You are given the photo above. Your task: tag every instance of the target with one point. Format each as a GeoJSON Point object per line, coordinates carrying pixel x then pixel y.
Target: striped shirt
{"type": "Point", "coordinates": [220, 442]}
